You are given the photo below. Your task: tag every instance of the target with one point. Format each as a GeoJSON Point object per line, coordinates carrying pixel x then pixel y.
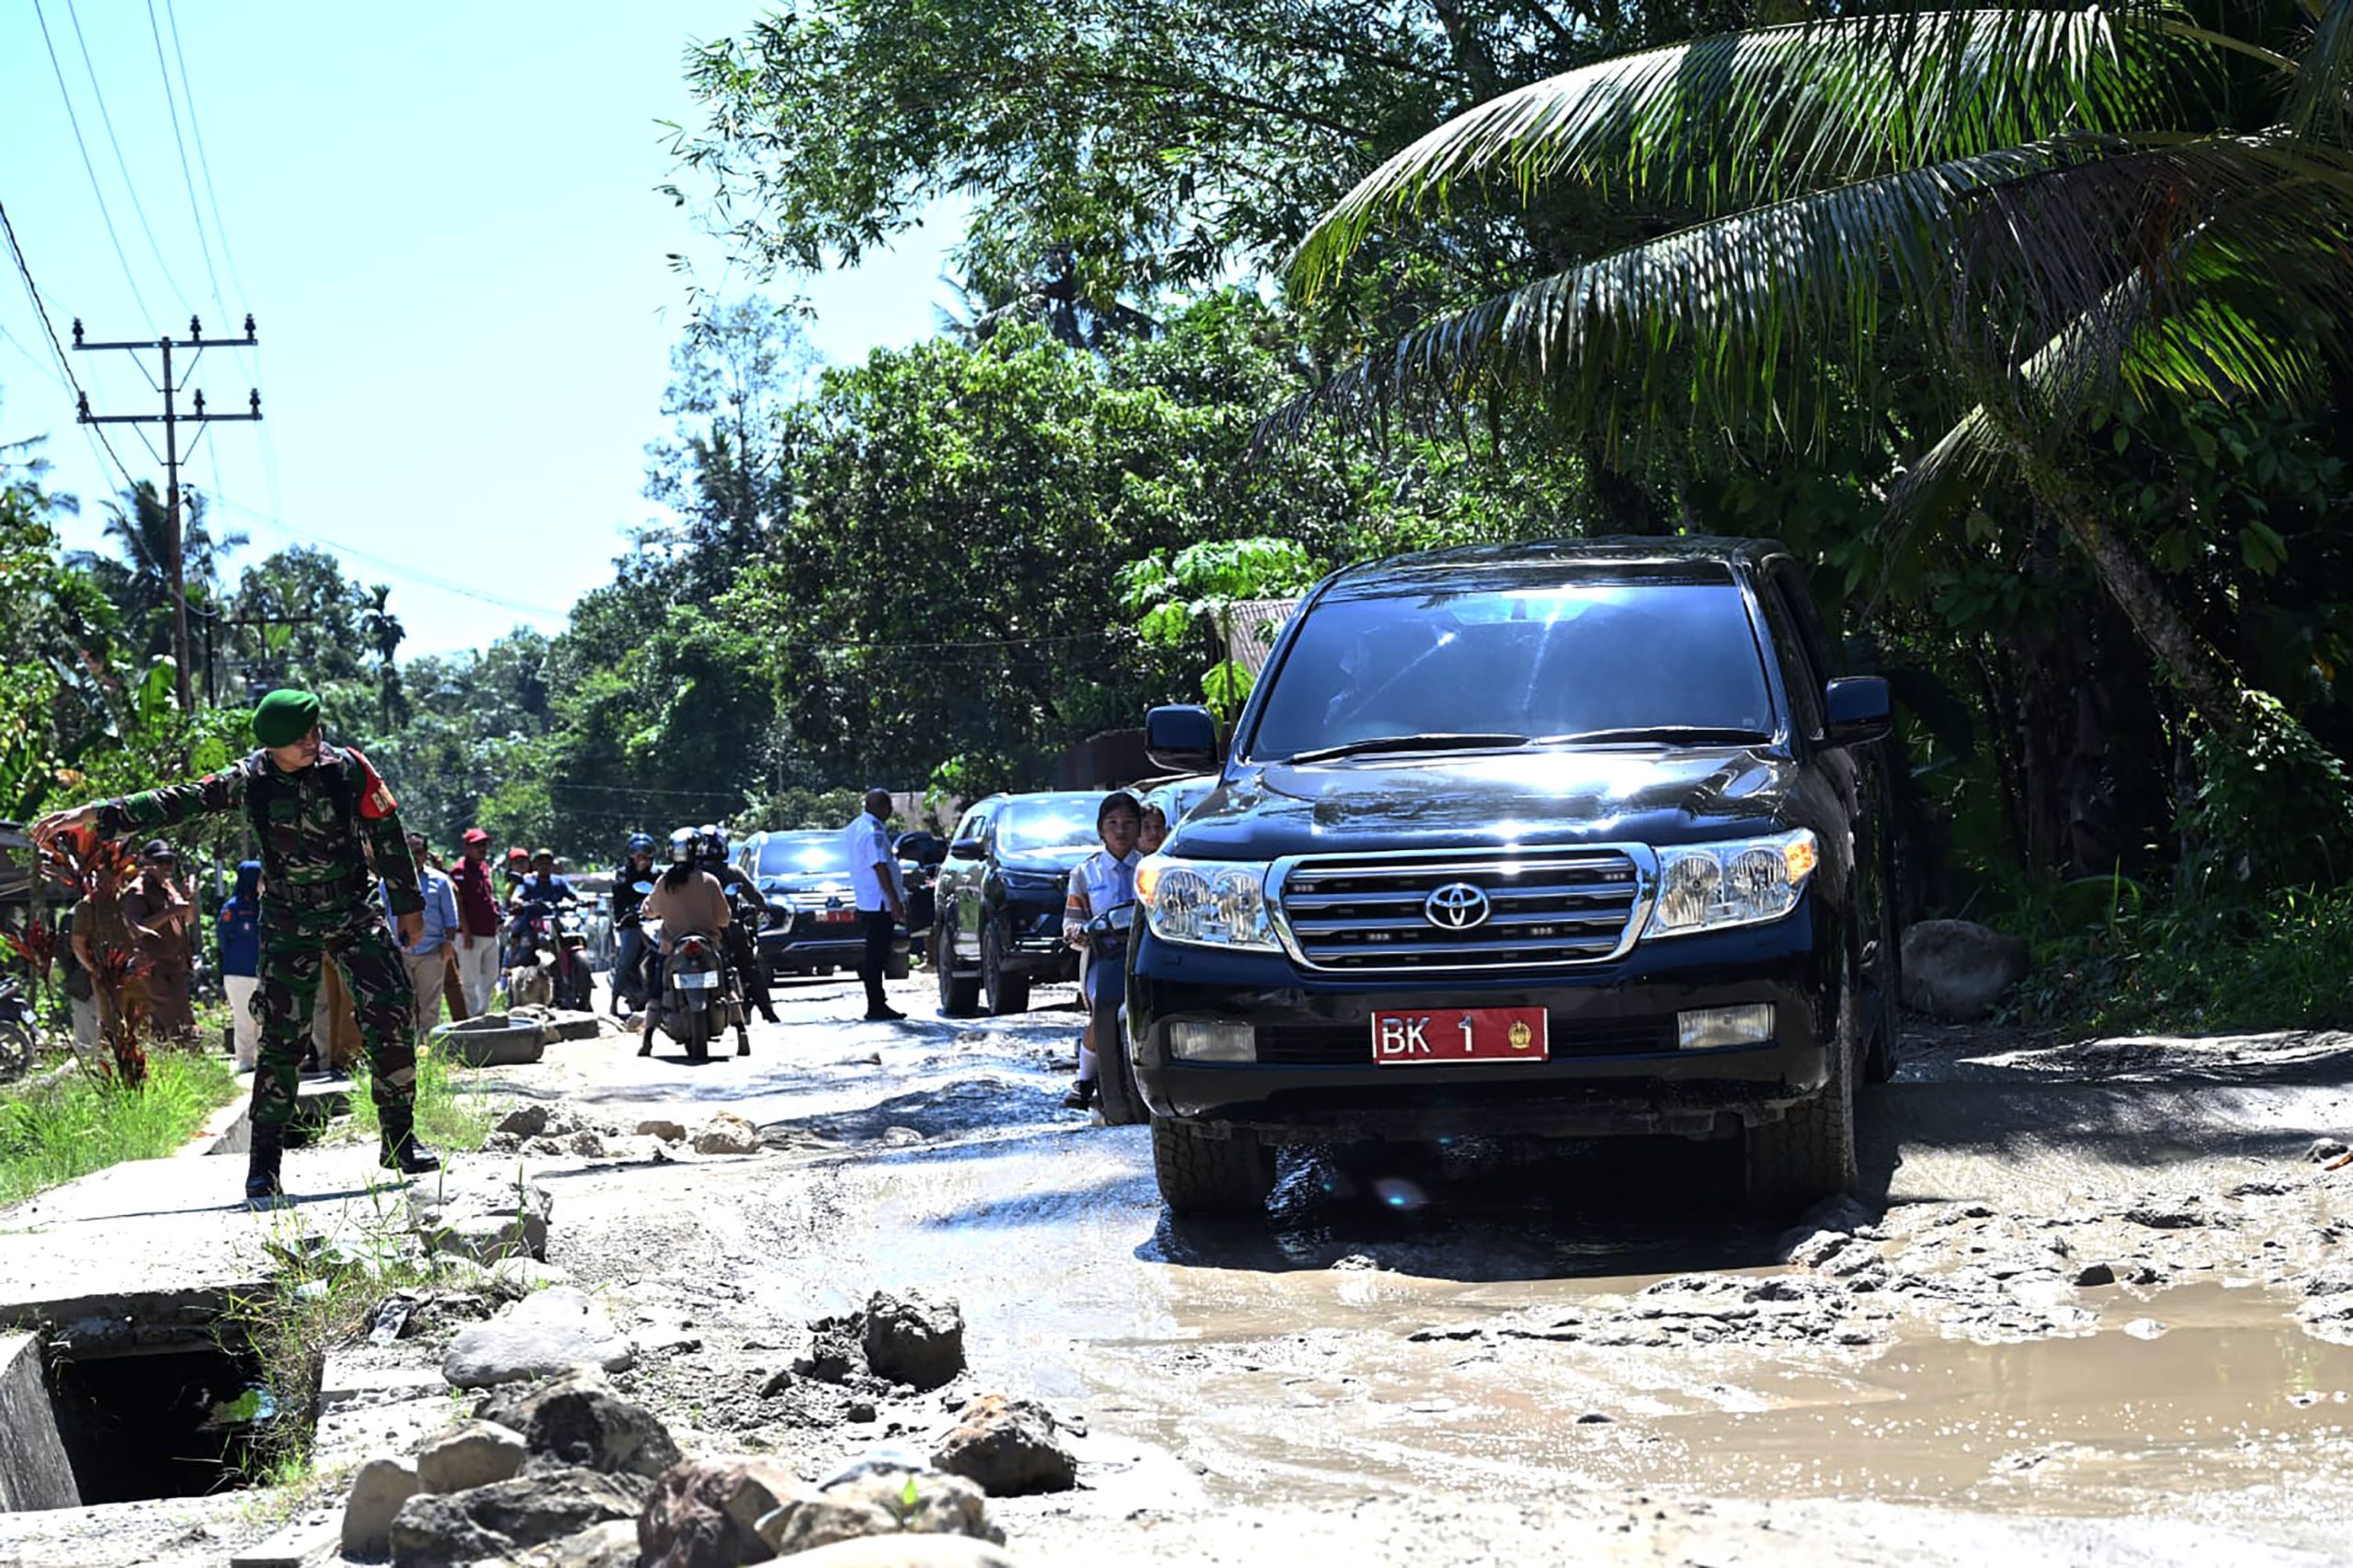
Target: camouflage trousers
{"type": "Point", "coordinates": [293, 955]}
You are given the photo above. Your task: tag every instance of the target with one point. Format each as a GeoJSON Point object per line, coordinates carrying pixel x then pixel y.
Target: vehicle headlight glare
{"type": "Point", "coordinates": [1206, 903]}
{"type": "Point", "coordinates": [1705, 887]}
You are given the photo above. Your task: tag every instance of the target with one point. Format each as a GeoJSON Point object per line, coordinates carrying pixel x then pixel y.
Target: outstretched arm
{"type": "Point", "coordinates": [151, 809]}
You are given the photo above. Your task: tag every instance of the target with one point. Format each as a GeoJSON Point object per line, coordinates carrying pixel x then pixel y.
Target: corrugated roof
{"type": "Point", "coordinates": [1254, 625]}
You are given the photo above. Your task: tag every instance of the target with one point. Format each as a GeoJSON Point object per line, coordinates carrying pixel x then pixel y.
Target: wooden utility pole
{"type": "Point", "coordinates": [171, 420]}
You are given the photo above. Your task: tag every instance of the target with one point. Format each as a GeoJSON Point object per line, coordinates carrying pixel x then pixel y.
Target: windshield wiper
{"type": "Point", "coordinates": [1691, 734]}
{"type": "Point", "coordinates": [1409, 742]}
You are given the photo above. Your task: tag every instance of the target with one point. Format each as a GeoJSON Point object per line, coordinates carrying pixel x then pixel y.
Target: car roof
{"type": "Point", "coordinates": [1626, 550]}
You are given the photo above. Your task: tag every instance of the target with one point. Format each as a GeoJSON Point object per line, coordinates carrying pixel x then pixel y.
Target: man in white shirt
{"type": "Point", "coordinates": [881, 900]}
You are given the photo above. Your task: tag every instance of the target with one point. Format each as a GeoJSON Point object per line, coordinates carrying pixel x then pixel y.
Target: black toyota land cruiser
{"type": "Point", "coordinates": [1560, 840]}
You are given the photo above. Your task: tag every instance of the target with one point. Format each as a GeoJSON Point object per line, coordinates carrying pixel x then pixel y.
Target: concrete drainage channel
{"type": "Point", "coordinates": [120, 1397]}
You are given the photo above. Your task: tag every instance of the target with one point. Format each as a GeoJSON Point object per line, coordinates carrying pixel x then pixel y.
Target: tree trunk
{"type": "Point", "coordinates": [2195, 667]}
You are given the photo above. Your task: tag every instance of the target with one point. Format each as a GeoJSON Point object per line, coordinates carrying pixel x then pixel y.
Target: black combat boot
{"type": "Point", "coordinates": [401, 1150]}
{"type": "Point", "coordinates": [268, 1147]}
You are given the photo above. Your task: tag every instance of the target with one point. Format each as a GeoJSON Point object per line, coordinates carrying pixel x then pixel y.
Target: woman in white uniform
{"type": "Point", "coordinates": [1099, 884]}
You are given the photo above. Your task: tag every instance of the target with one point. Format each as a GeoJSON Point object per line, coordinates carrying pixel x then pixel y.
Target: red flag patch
{"type": "Point", "coordinates": [376, 801]}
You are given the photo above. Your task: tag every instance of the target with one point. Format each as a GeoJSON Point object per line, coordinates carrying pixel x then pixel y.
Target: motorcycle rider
{"type": "Point", "coordinates": [742, 937]}
{"type": "Point", "coordinates": [629, 936]}
{"type": "Point", "coordinates": [685, 898]}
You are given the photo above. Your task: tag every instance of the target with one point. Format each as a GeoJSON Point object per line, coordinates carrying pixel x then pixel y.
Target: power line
{"type": "Point", "coordinates": [121, 163]}
{"type": "Point", "coordinates": [396, 569]}
{"type": "Point", "coordinates": [41, 309]}
{"type": "Point", "coordinates": [195, 212]}
{"type": "Point", "coordinates": [104, 213]}
{"type": "Point", "coordinates": [204, 164]}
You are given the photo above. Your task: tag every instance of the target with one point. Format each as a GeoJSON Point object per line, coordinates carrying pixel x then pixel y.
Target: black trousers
{"type": "Point", "coordinates": [877, 925]}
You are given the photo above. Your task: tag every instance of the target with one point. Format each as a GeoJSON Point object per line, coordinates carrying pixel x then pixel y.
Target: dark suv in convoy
{"type": "Point", "coordinates": [1560, 839]}
{"type": "Point", "coordinates": [998, 899]}
{"type": "Point", "coordinates": [806, 876]}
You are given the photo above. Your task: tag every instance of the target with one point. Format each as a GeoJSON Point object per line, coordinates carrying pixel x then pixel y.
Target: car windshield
{"type": "Point", "coordinates": [1048, 823]}
{"type": "Point", "coordinates": [1666, 652]}
{"type": "Point", "coordinates": [804, 854]}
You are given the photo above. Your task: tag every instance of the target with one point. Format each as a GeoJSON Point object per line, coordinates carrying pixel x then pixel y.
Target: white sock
{"type": "Point", "coordinates": [1086, 1065]}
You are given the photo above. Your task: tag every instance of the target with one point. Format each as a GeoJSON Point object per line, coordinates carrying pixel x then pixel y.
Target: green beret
{"type": "Point", "coordinates": [285, 717]}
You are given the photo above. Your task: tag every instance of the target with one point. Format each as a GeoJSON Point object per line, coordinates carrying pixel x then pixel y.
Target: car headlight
{"type": "Point", "coordinates": [1704, 887]}
{"type": "Point", "coordinates": [1214, 904]}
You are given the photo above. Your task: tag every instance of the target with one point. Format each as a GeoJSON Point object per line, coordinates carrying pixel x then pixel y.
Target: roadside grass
{"type": "Point", "coordinates": [449, 1112]}
{"type": "Point", "coordinates": [71, 1128]}
{"type": "Point", "coordinates": [2281, 964]}
{"type": "Point", "coordinates": [325, 1290]}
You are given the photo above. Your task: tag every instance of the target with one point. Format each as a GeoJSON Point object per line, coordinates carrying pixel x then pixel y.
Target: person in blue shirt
{"type": "Point", "coordinates": [240, 923]}
{"type": "Point", "coordinates": [428, 958]}
{"type": "Point", "coordinates": [534, 894]}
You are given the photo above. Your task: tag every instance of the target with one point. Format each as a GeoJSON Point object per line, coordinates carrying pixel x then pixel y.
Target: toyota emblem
{"type": "Point", "coordinates": [1457, 906]}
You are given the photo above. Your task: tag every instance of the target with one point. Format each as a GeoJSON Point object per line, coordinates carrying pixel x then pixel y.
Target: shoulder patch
{"type": "Point", "coordinates": [376, 801]}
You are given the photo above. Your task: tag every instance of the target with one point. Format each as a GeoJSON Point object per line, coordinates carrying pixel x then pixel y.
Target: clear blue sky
{"type": "Point", "coordinates": [446, 224]}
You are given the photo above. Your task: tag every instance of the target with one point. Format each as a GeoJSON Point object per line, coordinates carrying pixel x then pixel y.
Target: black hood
{"type": "Point", "coordinates": [1647, 794]}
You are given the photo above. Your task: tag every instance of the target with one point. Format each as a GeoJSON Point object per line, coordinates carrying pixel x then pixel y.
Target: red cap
{"type": "Point", "coordinates": [518, 853]}
{"type": "Point", "coordinates": [474, 836]}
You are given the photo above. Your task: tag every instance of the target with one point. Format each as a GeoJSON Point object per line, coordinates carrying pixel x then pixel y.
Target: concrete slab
{"type": "Point", "coordinates": [298, 1545]}
{"type": "Point", "coordinates": [147, 1254]}
{"type": "Point", "coordinates": [34, 1471]}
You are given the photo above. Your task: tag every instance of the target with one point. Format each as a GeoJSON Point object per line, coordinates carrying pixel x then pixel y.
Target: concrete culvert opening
{"type": "Point", "coordinates": [184, 1421]}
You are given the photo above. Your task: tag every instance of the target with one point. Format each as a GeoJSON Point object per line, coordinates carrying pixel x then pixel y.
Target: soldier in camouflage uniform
{"type": "Point", "coordinates": [312, 805]}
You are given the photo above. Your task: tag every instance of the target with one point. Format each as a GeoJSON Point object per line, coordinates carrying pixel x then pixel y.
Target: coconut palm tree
{"type": "Point", "coordinates": [138, 576]}
{"type": "Point", "coordinates": [2057, 207]}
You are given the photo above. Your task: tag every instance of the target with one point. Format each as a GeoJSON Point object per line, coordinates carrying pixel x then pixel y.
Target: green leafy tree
{"type": "Point", "coordinates": [1201, 588]}
{"type": "Point", "coordinates": [2059, 206]}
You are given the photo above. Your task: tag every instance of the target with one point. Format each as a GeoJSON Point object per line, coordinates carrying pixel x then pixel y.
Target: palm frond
{"type": "Point", "coordinates": [2325, 75]}
{"type": "Point", "coordinates": [1725, 122]}
{"type": "Point", "coordinates": [2207, 264]}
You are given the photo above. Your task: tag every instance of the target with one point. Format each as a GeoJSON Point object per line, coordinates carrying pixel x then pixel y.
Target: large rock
{"type": "Point", "coordinates": [727, 1133]}
{"type": "Point", "coordinates": [612, 1544]}
{"type": "Point", "coordinates": [376, 1493]}
{"type": "Point", "coordinates": [882, 1499]}
{"type": "Point", "coordinates": [662, 1128]}
{"type": "Point", "coordinates": [471, 1454]}
{"type": "Point", "coordinates": [573, 1026]}
{"type": "Point", "coordinates": [524, 1121]}
{"type": "Point", "coordinates": [915, 1339]}
{"type": "Point", "coordinates": [547, 1333]}
{"type": "Point", "coordinates": [493, 1523]}
{"type": "Point", "coordinates": [1007, 1448]}
{"type": "Point", "coordinates": [482, 1216]}
{"type": "Point", "coordinates": [1956, 970]}
{"type": "Point", "coordinates": [577, 1421]}
{"type": "Point", "coordinates": [907, 1551]}
{"type": "Point", "coordinates": [706, 1514]}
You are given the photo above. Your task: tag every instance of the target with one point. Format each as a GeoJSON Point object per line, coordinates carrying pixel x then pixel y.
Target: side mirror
{"type": "Point", "coordinates": [1856, 710]}
{"type": "Point", "coordinates": [965, 849]}
{"type": "Point", "coordinates": [1181, 739]}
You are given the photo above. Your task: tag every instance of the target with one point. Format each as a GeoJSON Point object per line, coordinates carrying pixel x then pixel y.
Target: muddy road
{"type": "Point", "coordinates": [2097, 1306]}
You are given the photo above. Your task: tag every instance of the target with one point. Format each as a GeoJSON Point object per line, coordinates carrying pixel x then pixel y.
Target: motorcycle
{"type": "Point", "coordinates": [699, 994]}
{"type": "Point", "coordinates": [557, 970]}
{"type": "Point", "coordinates": [17, 1036]}
{"type": "Point", "coordinates": [1106, 966]}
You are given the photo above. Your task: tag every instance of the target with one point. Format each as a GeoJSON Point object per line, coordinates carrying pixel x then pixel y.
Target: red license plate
{"type": "Point", "coordinates": [836, 916]}
{"type": "Point", "coordinates": [1458, 1034]}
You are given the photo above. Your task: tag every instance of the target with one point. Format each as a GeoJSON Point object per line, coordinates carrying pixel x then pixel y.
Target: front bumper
{"type": "Point", "coordinates": [1613, 1067]}
{"type": "Point", "coordinates": [1030, 937]}
{"type": "Point", "coordinates": [808, 942]}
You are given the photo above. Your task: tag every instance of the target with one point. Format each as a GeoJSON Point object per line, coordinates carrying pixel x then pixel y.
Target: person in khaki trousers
{"type": "Point", "coordinates": [428, 958]}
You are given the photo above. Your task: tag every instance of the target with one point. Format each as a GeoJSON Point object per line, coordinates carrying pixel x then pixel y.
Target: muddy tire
{"type": "Point", "coordinates": [959, 995]}
{"type": "Point", "coordinates": [895, 966]}
{"type": "Point", "coordinates": [1886, 998]}
{"type": "Point", "coordinates": [1202, 1176]}
{"type": "Point", "coordinates": [1809, 1155]}
{"type": "Point", "coordinates": [694, 1031]}
{"type": "Point", "coordinates": [1007, 994]}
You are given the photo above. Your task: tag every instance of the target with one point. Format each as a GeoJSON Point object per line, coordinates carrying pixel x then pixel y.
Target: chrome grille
{"type": "Point", "coordinates": [1543, 909]}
